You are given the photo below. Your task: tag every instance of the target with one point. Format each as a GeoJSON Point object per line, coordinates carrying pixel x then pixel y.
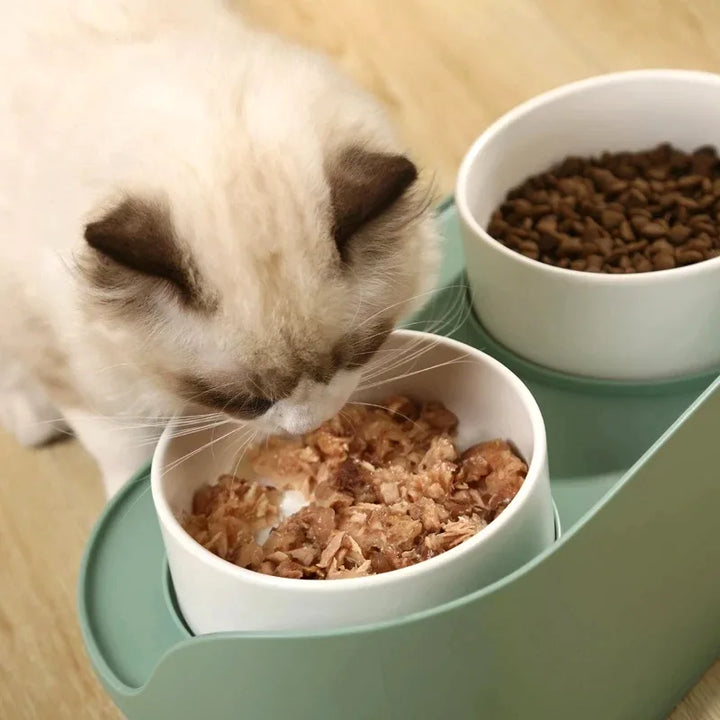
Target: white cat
{"type": "Point", "coordinates": [190, 212]}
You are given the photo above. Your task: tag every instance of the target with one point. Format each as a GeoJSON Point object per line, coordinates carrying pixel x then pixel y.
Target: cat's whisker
{"type": "Point", "coordinates": [394, 305]}
{"type": "Point", "coordinates": [199, 428]}
{"type": "Point", "coordinates": [382, 407]}
{"type": "Point", "coordinates": [456, 316]}
{"type": "Point", "coordinates": [122, 424]}
{"type": "Point", "coordinates": [122, 418]}
{"type": "Point", "coordinates": [406, 354]}
{"type": "Point", "coordinates": [197, 450]}
{"type": "Point", "coordinates": [395, 352]}
{"type": "Point", "coordinates": [348, 419]}
{"type": "Point", "coordinates": [116, 366]}
{"type": "Point", "coordinates": [119, 425]}
{"type": "Point", "coordinates": [254, 383]}
{"type": "Point", "coordinates": [138, 498]}
{"type": "Point", "coordinates": [183, 433]}
{"type": "Point", "coordinates": [404, 359]}
{"type": "Point", "coordinates": [452, 315]}
{"type": "Point", "coordinates": [384, 381]}
{"type": "Point", "coordinates": [238, 426]}
{"type": "Point", "coordinates": [242, 450]}
{"type": "Point", "coordinates": [179, 429]}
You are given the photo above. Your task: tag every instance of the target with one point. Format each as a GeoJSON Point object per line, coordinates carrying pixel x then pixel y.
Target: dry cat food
{"type": "Point", "coordinates": [387, 488]}
{"type": "Point", "coordinates": [624, 212]}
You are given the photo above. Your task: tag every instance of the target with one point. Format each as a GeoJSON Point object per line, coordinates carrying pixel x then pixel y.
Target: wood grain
{"type": "Point", "coordinates": [445, 70]}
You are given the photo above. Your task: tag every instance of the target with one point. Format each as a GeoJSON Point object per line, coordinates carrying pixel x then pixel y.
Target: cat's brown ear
{"type": "Point", "coordinates": [364, 185]}
{"type": "Point", "coordinates": [138, 236]}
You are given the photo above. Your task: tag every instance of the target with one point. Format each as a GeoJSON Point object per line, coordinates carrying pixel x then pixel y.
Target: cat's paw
{"type": "Point", "coordinates": [31, 418]}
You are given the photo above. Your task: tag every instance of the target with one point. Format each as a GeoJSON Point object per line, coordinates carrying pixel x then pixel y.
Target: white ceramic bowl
{"type": "Point", "coordinates": [490, 401]}
{"type": "Point", "coordinates": [621, 327]}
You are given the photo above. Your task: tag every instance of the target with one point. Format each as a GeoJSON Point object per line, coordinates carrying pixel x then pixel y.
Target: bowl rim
{"type": "Point", "coordinates": [527, 107]}
{"type": "Point", "coordinates": [536, 471]}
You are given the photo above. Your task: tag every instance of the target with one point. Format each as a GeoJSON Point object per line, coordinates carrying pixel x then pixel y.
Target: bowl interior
{"type": "Point", "coordinates": [624, 111]}
{"type": "Point", "coordinates": [488, 399]}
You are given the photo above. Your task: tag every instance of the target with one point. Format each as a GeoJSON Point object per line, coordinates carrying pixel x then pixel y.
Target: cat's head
{"type": "Point", "coordinates": [257, 271]}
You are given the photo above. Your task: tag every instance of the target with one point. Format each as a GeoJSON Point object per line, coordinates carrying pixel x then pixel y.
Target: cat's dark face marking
{"type": "Point", "coordinates": [138, 236]}
{"type": "Point", "coordinates": [363, 185]}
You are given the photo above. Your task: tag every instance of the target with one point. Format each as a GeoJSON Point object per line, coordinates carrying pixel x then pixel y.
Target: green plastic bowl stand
{"type": "Point", "coordinates": [616, 621]}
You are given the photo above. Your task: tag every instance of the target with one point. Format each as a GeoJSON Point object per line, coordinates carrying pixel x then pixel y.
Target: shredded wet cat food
{"type": "Point", "coordinates": [386, 485]}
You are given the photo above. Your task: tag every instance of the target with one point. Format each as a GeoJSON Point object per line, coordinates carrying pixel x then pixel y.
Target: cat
{"type": "Point", "coordinates": [195, 216]}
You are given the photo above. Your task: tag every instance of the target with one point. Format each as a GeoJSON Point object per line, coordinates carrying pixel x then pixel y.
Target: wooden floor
{"type": "Point", "coordinates": [445, 68]}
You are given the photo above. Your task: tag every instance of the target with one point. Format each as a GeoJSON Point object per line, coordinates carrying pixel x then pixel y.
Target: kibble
{"type": "Point", "coordinates": [627, 212]}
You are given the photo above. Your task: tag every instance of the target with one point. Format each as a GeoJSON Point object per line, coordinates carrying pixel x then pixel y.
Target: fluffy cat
{"type": "Point", "coordinates": [192, 214]}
